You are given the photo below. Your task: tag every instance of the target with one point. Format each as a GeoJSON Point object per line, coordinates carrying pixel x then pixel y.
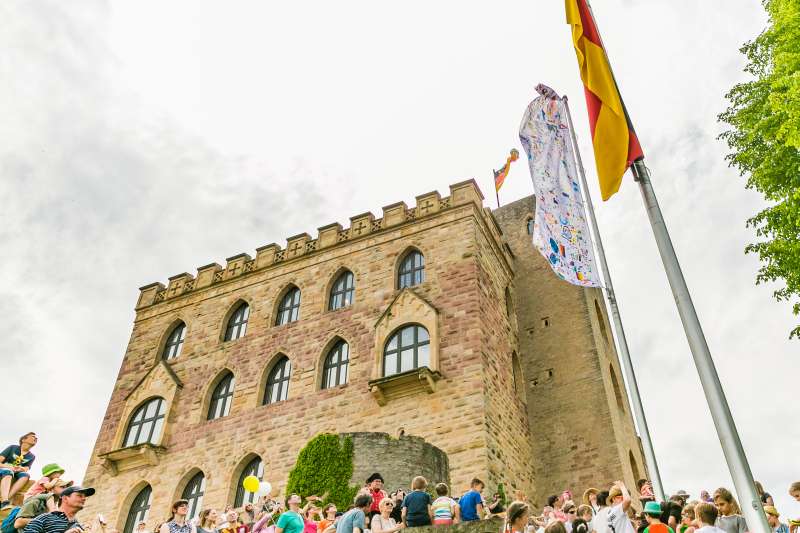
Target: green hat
{"type": "Point", "coordinates": [652, 508]}
{"type": "Point", "coordinates": [51, 468]}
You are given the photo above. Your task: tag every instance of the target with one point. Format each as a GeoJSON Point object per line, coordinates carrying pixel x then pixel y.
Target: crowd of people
{"type": "Point", "coordinates": [50, 505]}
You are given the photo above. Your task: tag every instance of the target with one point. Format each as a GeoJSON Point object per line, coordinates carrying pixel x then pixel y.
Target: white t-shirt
{"type": "Point", "coordinates": [709, 529]}
{"type": "Point", "coordinates": [600, 520]}
{"type": "Point", "coordinates": [618, 521]}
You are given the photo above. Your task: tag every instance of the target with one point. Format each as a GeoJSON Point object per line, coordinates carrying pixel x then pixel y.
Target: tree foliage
{"type": "Point", "coordinates": [764, 116]}
{"type": "Point", "coordinates": [324, 466]}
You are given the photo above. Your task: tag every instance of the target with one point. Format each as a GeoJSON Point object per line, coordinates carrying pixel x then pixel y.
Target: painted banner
{"type": "Point", "coordinates": [560, 231]}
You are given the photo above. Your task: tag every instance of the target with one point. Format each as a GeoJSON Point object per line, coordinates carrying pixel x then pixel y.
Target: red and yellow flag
{"type": "Point", "coordinates": [615, 144]}
{"type": "Point", "coordinates": [500, 175]}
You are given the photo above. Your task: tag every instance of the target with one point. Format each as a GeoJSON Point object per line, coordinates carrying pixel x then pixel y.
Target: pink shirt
{"type": "Point", "coordinates": [37, 488]}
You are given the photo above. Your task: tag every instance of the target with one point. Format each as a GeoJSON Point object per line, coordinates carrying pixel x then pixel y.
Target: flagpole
{"type": "Point", "coordinates": [624, 354]}
{"type": "Point", "coordinates": [715, 396]}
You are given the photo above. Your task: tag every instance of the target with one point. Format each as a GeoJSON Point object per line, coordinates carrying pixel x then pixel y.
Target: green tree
{"type": "Point", "coordinates": [764, 116]}
{"type": "Point", "coordinates": [324, 466]}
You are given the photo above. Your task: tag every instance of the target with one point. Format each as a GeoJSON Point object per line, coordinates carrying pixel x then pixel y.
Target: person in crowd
{"type": "Point", "coordinates": [687, 524]}
{"type": "Point", "coordinates": [652, 513]}
{"type": "Point", "coordinates": [142, 526]}
{"type": "Point", "coordinates": [40, 504]}
{"type": "Point", "coordinates": [705, 517]}
{"type": "Point", "coordinates": [496, 505]}
{"type": "Point", "coordinates": [310, 512]}
{"type": "Point", "coordinates": [375, 489]}
{"type": "Point", "coordinates": [207, 522]}
{"type": "Point", "coordinates": [291, 520]}
{"type": "Point", "coordinates": [397, 510]}
{"type": "Point", "coordinates": [706, 497]}
{"type": "Point", "coordinates": [328, 517]}
{"type": "Point", "coordinates": [794, 490]}
{"type": "Point", "coordinates": [671, 511]}
{"type": "Point", "coordinates": [353, 520]}
{"type": "Point", "coordinates": [417, 504]}
{"type": "Point", "coordinates": [556, 502]}
{"type": "Point", "coordinates": [471, 502]}
{"type": "Point", "coordinates": [248, 514]}
{"type": "Point", "coordinates": [444, 508]}
{"type": "Point", "coordinates": [645, 488]}
{"type": "Point", "coordinates": [766, 497]}
{"type": "Point", "coordinates": [15, 465]}
{"type": "Point", "coordinates": [557, 526]}
{"type": "Point", "coordinates": [383, 522]}
{"type": "Point", "coordinates": [63, 519]}
{"type": "Point", "coordinates": [620, 502]}
{"type": "Point", "coordinates": [516, 517]}
{"type": "Point", "coordinates": [680, 497]}
{"type": "Point", "coordinates": [590, 499]}
{"type": "Point", "coordinates": [730, 516]}
{"type": "Point", "coordinates": [571, 514]}
{"type": "Point", "coordinates": [232, 522]}
{"type": "Point", "coordinates": [50, 475]}
{"type": "Point", "coordinates": [600, 520]}
{"type": "Point", "coordinates": [585, 513]}
{"type": "Point", "coordinates": [773, 518]}
{"type": "Point", "coordinates": [177, 522]}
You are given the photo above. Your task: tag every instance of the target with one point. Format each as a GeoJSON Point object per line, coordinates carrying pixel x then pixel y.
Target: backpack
{"type": "Point", "coordinates": [8, 524]}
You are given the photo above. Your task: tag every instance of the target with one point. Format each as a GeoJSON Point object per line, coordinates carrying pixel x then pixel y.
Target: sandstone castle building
{"type": "Point", "coordinates": [437, 324]}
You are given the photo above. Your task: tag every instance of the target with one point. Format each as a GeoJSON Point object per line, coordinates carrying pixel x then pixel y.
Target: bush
{"type": "Point", "coordinates": [325, 465]}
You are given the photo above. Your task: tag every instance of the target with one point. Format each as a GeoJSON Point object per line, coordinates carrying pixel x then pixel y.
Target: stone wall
{"type": "Point", "coordinates": [398, 460]}
{"type": "Point", "coordinates": [492, 525]}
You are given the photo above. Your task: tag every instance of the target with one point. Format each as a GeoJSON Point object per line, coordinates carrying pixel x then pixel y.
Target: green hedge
{"type": "Point", "coordinates": [325, 465]}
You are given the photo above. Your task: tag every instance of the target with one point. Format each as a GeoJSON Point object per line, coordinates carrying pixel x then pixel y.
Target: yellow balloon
{"type": "Point", "coordinates": [250, 483]}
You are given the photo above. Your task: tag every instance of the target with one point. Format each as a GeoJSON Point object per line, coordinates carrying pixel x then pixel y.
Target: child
{"type": "Point", "coordinates": [652, 513]}
{"type": "Point", "coordinates": [51, 473]}
{"type": "Point", "coordinates": [730, 516]}
{"type": "Point", "coordinates": [417, 505]}
{"type": "Point", "coordinates": [445, 509]}
{"type": "Point", "coordinates": [705, 515]}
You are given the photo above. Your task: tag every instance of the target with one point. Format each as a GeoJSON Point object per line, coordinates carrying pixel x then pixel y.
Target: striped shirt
{"type": "Point", "coordinates": [55, 522]}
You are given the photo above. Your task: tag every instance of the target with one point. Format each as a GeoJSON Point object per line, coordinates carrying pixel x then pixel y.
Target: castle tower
{"type": "Point", "coordinates": [437, 321]}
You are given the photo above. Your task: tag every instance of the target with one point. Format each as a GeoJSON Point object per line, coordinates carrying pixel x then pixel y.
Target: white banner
{"type": "Point", "coordinates": [560, 231]}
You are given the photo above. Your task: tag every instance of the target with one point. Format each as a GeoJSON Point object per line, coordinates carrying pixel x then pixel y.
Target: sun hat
{"type": "Point", "coordinates": [51, 468]}
{"type": "Point", "coordinates": [770, 509]}
{"type": "Point", "coordinates": [652, 508]}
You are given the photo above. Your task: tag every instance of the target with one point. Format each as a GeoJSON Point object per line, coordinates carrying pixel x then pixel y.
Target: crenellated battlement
{"type": "Point", "coordinates": [301, 245]}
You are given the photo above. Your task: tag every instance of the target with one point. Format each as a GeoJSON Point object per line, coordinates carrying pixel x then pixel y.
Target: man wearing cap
{"type": "Point", "coordinates": [46, 502]}
{"type": "Point", "coordinates": [374, 488]}
{"type": "Point", "coordinates": [62, 520]}
{"type": "Point", "coordinates": [652, 512]}
{"type": "Point", "coordinates": [773, 519]}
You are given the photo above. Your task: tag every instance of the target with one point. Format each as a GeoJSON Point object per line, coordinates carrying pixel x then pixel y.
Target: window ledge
{"type": "Point", "coordinates": [145, 454]}
{"type": "Point", "coordinates": [408, 383]}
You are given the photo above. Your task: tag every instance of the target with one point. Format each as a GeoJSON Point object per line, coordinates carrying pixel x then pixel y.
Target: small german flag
{"type": "Point", "coordinates": [615, 144]}
{"type": "Point", "coordinates": [500, 175]}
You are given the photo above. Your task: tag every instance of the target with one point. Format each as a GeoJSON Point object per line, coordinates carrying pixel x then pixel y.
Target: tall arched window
{"type": "Point", "coordinates": [174, 344]}
{"type": "Point", "coordinates": [253, 468]}
{"type": "Point", "coordinates": [289, 309]}
{"type": "Point", "coordinates": [617, 389]}
{"type": "Point", "coordinates": [237, 323]}
{"type": "Point", "coordinates": [146, 423]}
{"type": "Point", "coordinates": [342, 291]}
{"type": "Point", "coordinates": [221, 398]}
{"type": "Point", "coordinates": [603, 331]}
{"type": "Point", "coordinates": [277, 388]}
{"type": "Point", "coordinates": [412, 270]}
{"type": "Point", "coordinates": [509, 303]}
{"type": "Point", "coordinates": [407, 349]}
{"type": "Point", "coordinates": [336, 365]}
{"type": "Point", "coordinates": [193, 493]}
{"type": "Point", "coordinates": [634, 465]}
{"type": "Point", "coordinates": [139, 508]}
{"type": "Point", "coordinates": [519, 379]}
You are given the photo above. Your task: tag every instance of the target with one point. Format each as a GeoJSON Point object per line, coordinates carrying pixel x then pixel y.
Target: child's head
{"type": "Point", "coordinates": [419, 483]}
{"type": "Point", "coordinates": [441, 489]}
{"type": "Point", "coordinates": [687, 514]}
{"type": "Point", "coordinates": [706, 513]}
{"type": "Point", "coordinates": [772, 516]}
{"type": "Point", "coordinates": [476, 484]}
{"type": "Point", "coordinates": [52, 471]}
{"type": "Point", "coordinates": [794, 490]}
{"type": "Point", "coordinates": [652, 512]}
{"type": "Point", "coordinates": [517, 514]}
{"type": "Point", "coordinates": [585, 512]}
{"type": "Point", "coordinates": [725, 502]}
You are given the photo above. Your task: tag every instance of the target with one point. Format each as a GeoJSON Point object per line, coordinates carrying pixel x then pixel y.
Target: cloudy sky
{"type": "Point", "coordinates": [142, 139]}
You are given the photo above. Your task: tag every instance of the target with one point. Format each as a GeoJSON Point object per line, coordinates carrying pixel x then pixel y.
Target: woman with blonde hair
{"type": "Point", "coordinates": [516, 517]}
{"type": "Point", "coordinates": [383, 522]}
{"type": "Point", "coordinates": [730, 515]}
{"type": "Point", "coordinates": [207, 521]}
{"type": "Point", "coordinates": [687, 524]}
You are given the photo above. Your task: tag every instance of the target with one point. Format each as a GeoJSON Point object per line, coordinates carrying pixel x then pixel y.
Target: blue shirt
{"type": "Point", "coordinates": [352, 518]}
{"type": "Point", "coordinates": [13, 456]}
{"type": "Point", "coordinates": [416, 504]}
{"type": "Point", "coordinates": [469, 505]}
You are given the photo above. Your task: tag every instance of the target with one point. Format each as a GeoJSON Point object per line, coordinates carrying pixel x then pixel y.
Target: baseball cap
{"type": "Point", "coordinates": [88, 491]}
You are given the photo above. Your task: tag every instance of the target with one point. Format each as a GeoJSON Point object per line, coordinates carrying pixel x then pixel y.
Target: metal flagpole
{"type": "Point", "coordinates": [715, 396]}
{"type": "Point", "coordinates": [624, 354]}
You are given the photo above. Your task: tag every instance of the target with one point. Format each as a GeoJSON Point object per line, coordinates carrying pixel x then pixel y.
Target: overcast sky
{"type": "Point", "coordinates": [143, 139]}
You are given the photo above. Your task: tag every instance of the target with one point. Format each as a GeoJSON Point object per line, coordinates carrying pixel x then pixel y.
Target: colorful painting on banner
{"type": "Point", "coordinates": [560, 231]}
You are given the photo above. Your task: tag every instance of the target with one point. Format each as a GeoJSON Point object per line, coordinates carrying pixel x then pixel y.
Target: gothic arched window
{"type": "Point", "coordinates": [289, 309]}
{"type": "Point", "coordinates": [237, 323]}
{"type": "Point", "coordinates": [407, 349]}
{"type": "Point", "coordinates": [193, 493]}
{"type": "Point", "coordinates": [139, 508]}
{"type": "Point", "coordinates": [146, 423]}
{"type": "Point", "coordinates": [336, 365]}
{"type": "Point", "coordinates": [253, 468]}
{"type": "Point", "coordinates": [412, 270]}
{"type": "Point", "coordinates": [342, 291]}
{"type": "Point", "coordinates": [174, 344]}
{"type": "Point", "coordinates": [221, 398]}
{"type": "Point", "coordinates": [277, 388]}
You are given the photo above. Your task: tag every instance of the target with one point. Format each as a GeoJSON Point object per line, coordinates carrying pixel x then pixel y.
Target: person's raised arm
{"type": "Point", "coordinates": [626, 496]}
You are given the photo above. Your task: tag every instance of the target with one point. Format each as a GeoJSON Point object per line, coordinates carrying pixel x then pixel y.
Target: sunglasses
{"type": "Point", "coordinates": [389, 504]}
